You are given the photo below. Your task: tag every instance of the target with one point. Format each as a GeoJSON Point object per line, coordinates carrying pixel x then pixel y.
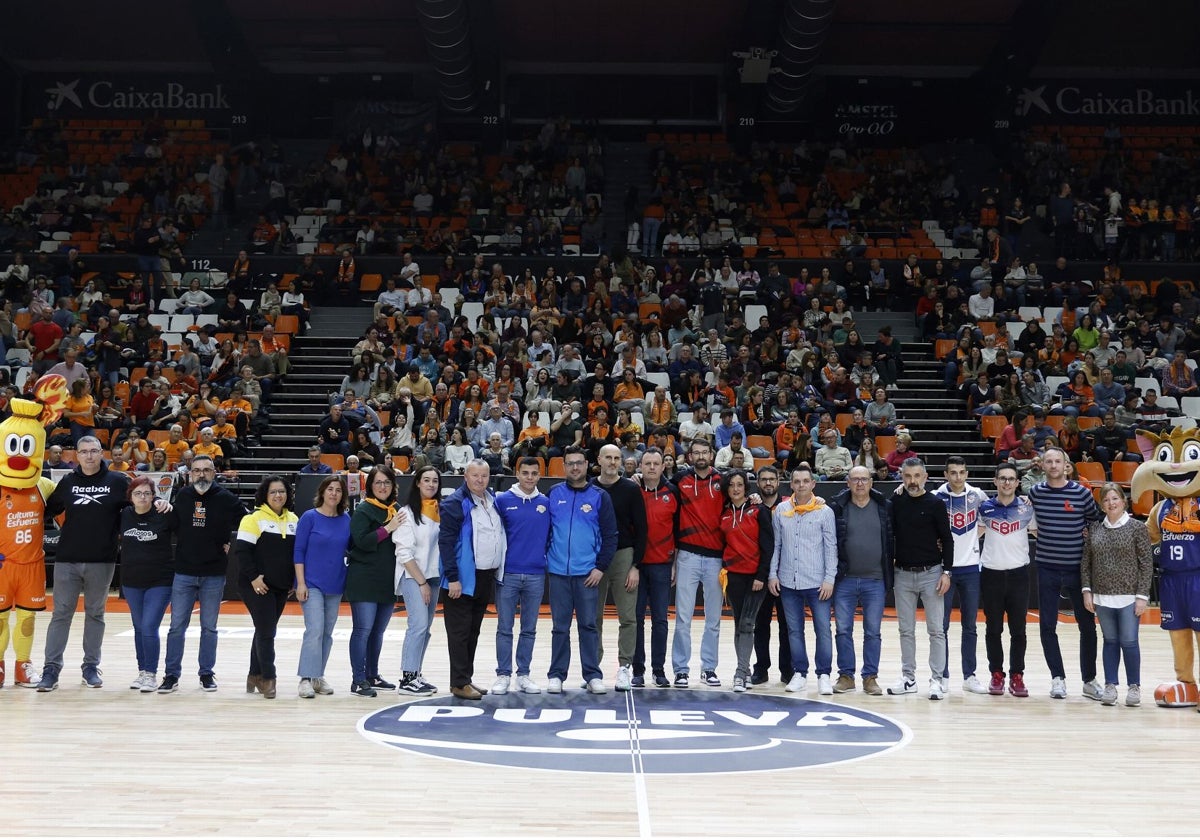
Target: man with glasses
{"type": "Point", "coordinates": [583, 541]}
{"type": "Point", "coordinates": [865, 550]}
{"type": "Point", "coordinates": [1006, 523]}
{"type": "Point", "coordinates": [768, 491]}
{"type": "Point", "coordinates": [91, 498]}
{"type": "Point", "coordinates": [204, 517]}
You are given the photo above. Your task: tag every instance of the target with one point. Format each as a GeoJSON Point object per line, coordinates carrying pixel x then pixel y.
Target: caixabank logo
{"type": "Point", "coordinates": [659, 732]}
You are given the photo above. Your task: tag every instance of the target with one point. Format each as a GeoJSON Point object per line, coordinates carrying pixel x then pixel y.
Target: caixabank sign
{"type": "Point", "coordinates": [1163, 101]}
{"type": "Point", "coordinates": [66, 96]}
{"type": "Point", "coordinates": [661, 732]}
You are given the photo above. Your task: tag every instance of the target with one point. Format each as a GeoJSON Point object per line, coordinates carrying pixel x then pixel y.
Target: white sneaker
{"type": "Point", "coordinates": [500, 686]}
{"type": "Point", "coordinates": [973, 685]}
{"type": "Point", "coordinates": [905, 686]}
{"type": "Point", "coordinates": [527, 686]}
{"type": "Point", "coordinates": [1093, 690]}
{"type": "Point", "coordinates": [305, 690]}
{"type": "Point", "coordinates": [624, 678]}
{"type": "Point", "coordinates": [798, 682]}
{"type": "Point", "coordinates": [936, 692]}
{"type": "Point", "coordinates": [739, 684]}
{"type": "Point", "coordinates": [554, 685]}
{"type": "Point", "coordinates": [136, 685]}
{"type": "Point", "coordinates": [596, 686]}
{"type": "Point", "coordinates": [1058, 688]}
{"type": "Point", "coordinates": [824, 686]}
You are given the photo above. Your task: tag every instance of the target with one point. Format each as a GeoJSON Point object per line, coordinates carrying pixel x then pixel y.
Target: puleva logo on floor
{"type": "Point", "coordinates": [653, 731]}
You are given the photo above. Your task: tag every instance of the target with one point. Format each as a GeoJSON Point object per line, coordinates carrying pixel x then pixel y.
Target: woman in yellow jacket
{"type": "Point", "coordinates": [265, 548]}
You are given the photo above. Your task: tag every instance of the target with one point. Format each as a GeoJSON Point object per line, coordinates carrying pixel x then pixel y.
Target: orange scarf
{"type": "Point", "coordinates": [814, 504]}
{"type": "Point", "coordinates": [389, 509]}
{"type": "Point", "coordinates": [430, 510]}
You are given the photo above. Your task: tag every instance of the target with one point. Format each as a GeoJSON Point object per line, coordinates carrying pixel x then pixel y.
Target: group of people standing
{"type": "Point", "coordinates": [637, 537]}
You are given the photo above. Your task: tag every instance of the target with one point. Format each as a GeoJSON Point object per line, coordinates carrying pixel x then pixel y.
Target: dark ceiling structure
{"type": "Point", "coordinates": [465, 49]}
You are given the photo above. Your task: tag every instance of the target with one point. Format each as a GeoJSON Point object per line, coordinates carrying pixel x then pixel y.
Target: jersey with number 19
{"type": "Point", "coordinates": [1180, 527]}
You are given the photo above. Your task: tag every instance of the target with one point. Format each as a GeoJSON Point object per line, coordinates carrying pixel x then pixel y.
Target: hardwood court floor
{"type": "Point", "coordinates": [114, 762]}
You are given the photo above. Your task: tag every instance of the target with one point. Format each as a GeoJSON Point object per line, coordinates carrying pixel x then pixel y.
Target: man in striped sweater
{"type": "Point", "coordinates": [1063, 509]}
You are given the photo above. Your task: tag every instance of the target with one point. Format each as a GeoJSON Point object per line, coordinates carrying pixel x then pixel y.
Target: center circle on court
{"type": "Point", "coordinates": [671, 731]}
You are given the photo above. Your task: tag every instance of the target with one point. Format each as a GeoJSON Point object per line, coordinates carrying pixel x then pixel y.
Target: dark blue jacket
{"type": "Point", "coordinates": [456, 543]}
{"type": "Point", "coordinates": [838, 505]}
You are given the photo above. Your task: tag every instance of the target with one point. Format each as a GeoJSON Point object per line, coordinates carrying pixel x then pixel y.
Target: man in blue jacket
{"type": "Point", "coordinates": [471, 543]}
{"type": "Point", "coordinates": [583, 540]}
{"type": "Point", "coordinates": [525, 511]}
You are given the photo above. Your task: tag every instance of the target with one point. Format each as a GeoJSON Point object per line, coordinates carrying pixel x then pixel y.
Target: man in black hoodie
{"type": "Point", "coordinates": [204, 517]}
{"type": "Point", "coordinates": [92, 498]}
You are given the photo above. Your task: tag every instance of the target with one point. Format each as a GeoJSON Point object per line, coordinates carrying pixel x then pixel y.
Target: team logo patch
{"type": "Point", "coordinates": [660, 732]}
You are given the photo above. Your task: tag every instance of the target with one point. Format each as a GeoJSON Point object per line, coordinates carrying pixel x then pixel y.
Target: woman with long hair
{"type": "Point", "coordinates": [418, 569]}
{"type": "Point", "coordinates": [1116, 573]}
{"type": "Point", "coordinates": [265, 548]}
{"type": "Point", "coordinates": [146, 575]}
{"type": "Point", "coordinates": [370, 579]}
{"type": "Point", "coordinates": [322, 535]}
{"type": "Point", "coordinates": [749, 544]}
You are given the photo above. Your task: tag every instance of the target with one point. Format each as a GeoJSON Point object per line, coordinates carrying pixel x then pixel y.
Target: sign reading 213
{"type": "Point", "coordinates": [672, 732]}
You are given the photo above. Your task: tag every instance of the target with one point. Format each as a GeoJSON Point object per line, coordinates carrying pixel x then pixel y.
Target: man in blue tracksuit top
{"type": "Point", "coordinates": [525, 512]}
{"type": "Point", "coordinates": [583, 540]}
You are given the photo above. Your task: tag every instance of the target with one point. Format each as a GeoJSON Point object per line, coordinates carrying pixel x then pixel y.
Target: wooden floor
{"type": "Point", "coordinates": [115, 762]}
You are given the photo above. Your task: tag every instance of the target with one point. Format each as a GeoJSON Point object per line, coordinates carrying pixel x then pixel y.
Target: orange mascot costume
{"type": "Point", "coordinates": [1172, 469]}
{"type": "Point", "coordinates": [23, 494]}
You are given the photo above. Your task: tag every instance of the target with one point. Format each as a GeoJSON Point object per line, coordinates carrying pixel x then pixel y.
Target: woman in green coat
{"type": "Point", "coordinates": [370, 579]}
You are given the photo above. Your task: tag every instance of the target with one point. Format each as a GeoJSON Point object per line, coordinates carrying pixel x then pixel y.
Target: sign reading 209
{"type": "Point", "coordinates": [663, 731]}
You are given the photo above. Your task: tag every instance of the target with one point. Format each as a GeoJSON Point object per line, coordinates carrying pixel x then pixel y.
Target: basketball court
{"type": "Point", "coordinates": [648, 763]}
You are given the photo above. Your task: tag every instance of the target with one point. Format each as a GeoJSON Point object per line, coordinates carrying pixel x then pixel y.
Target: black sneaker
{"type": "Point", "coordinates": [363, 689]}
{"type": "Point", "coordinates": [710, 678]}
{"type": "Point", "coordinates": [681, 680]}
{"type": "Point", "coordinates": [661, 681]}
{"type": "Point", "coordinates": [381, 684]}
{"type": "Point", "coordinates": [758, 678]}
{"type": "Point", "coordinates": [208, 682]}
{"type": "Point", "coordinates": [638, 681]}
{"type": "Point", "coordinates": [169, 685]}
{"type": "Point", "coordinates": [414, 685]}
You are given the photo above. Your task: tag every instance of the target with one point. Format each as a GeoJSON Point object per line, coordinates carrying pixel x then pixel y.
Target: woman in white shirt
{"type": "Point", "coordinates": [418, 574]}
{"type": "Point", "coordinates": [195, 300]}
{"type": "Point", "coordinates": [458, 453]}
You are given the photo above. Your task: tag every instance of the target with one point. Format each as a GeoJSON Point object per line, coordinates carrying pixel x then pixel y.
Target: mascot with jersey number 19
{"type": "Point", "coordinates": [1172, 469]}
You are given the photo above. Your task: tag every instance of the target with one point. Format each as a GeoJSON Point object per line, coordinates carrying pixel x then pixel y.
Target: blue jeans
{"type": "Point", "coordinates": [1120, 626]}
{"type": "Point", "coordinates": [691, 572]}
{"type": "Point", "coordinates": [369, 621]}
{"type": "Point", "coordinates": [147, 608]}
{"type": "Point", "coordinates": [420, 620]}
{"type": "Point", "coordinates": [185, 591]}
{"type": "Point", "coordinates": [320, 615]}
{"type": "Point", "coordinates": [794, 601]}
{"type": "Point", "coordinates": [965, 581]}
{"type": "Point", "coordinates": [1051, 581]}
{"type": "Point", "coordinates": [570, 597]}
{"type": "Point", "coordinates": [848, 594]}
{"type": "Point", "coordinates": [654, 591]}
{"type": "Point", "coordinates": [525, 590]}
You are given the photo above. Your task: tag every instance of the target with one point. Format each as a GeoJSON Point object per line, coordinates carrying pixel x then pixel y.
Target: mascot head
{"type": "Point", "coordinates": [23, 435]}
{"type": "Point", "coordinates": [1172, 464]}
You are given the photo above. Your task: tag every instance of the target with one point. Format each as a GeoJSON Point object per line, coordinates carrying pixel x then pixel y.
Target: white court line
{"type": "Point", "coordinates": [639, 772]}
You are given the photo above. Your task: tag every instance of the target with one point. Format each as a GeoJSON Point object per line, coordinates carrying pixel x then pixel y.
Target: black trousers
{"type": "Point", "coordinates": [1005, 593]}
{"type": "Point", "coordinates": [463, 616]}
{"type": "Point", "coordinates": [762, 638]}
{"type": "Point", "coordinates": [265, 611]}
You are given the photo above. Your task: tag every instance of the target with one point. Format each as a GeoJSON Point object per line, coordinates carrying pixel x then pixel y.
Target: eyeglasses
{"type": "Point", "coordinates": [574, 463]}
{"type": "Point", "coordinates": [89, 451]}
{"type": "Point", "coordinates": [277, 492]}
{"type": "Point", "coordinates": [142, 494]}
{"type": "Point", "coordinates": [1007, 478]}
{"type": "Point", "coordinates": [858, 480]}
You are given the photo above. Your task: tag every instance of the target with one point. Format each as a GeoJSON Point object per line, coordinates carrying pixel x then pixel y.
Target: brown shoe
{"type": "Point", "coordinates": [252, 684]}
{"type": "Point", "coordinates": [267, 687]}
{"type": "Point", "coordinates": [480, 690]}
{"type": "Point", "coordinates": [844, 683]}
{"type": "Point", "coordinates": [466, 692]}
{"type": "Point", "coordinates": [871, 686]}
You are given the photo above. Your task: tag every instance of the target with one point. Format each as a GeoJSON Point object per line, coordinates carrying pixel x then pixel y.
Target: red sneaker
{"type": "Point", "coordinates": [1016, 686]}
{"type": "Point", "coordinates": [27, 675]}
{"type": "Point", "coordinates": [996, 686]}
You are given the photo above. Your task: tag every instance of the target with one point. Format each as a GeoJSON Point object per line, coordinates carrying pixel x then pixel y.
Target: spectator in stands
{"type": "Point", "coordinates": [333, 434]}
{"type": "Point", "coordinates": [1178, 380]}
{"type": "Point", "coordinates": [1152, 416]}
{"type": "Point", "coordinates": [880, 414]}
{"type": "Point", "coordinates": [832, 461]}
{"type": "Point", "coordinates": [1108, 442]}
{"type": "Point", "coordinates": [195, 300]}
{"type": "Point", "coordinates": [902, 452]}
